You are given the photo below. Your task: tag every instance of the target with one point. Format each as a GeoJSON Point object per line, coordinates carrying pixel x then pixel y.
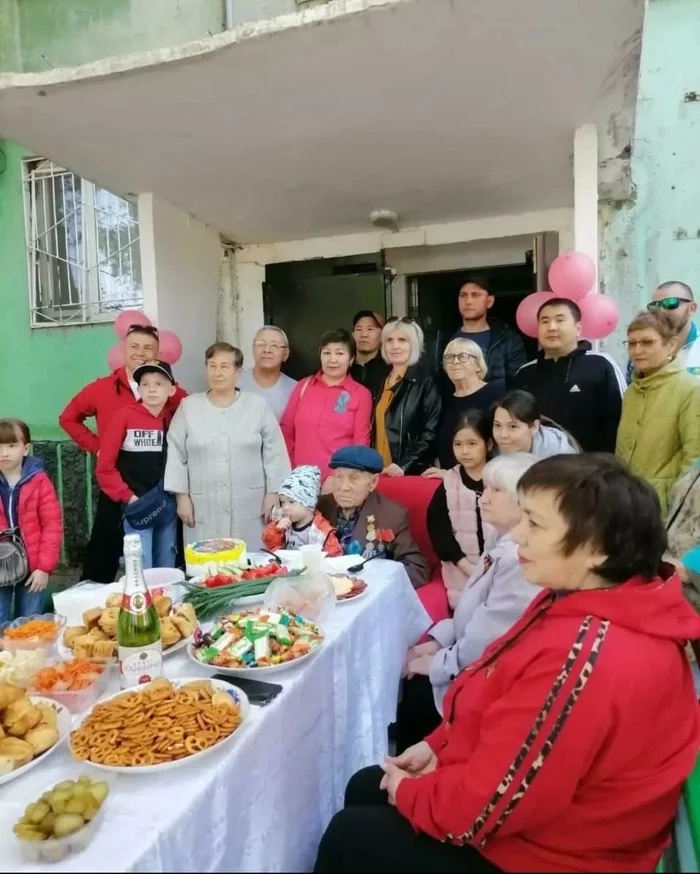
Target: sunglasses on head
{"type": "Point", "coordinates": [668, 303]}
{"type": "Point", "coordinates": [143, 329]}
{"type": "Point", "coordinates": [403, 319]}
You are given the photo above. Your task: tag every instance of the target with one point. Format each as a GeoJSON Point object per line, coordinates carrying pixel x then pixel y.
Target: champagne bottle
{"type": "Point", "coordinates": [138, 626]}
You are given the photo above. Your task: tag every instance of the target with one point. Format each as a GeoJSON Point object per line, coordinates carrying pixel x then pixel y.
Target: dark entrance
{"type": "Point", "coordinates": [433, 299]}
{"type": "Point", "coordinates": [307, 298]}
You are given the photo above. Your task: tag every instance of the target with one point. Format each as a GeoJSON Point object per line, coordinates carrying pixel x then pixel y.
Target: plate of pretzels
{"type": "Point", "coordinates": [160, 725]}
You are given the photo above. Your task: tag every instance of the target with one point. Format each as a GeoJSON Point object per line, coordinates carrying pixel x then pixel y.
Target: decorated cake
{"type": "Point", "coordinates": [217, 550]}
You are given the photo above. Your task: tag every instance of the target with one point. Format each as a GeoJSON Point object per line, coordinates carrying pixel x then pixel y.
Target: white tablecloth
{"type": "Point", "coordinates": [263, 803]}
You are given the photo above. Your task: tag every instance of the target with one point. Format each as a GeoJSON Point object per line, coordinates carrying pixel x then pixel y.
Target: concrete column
{"type": "Point", "coordinates": [180, 260]}
{"type": "Point", "coordinates": [250, 278]}
{"type": "Point", "coordinates": [586, 192]}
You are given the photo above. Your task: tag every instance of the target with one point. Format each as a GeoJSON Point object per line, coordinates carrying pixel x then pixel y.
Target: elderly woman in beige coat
{"type": "Point", "coordinates": [226, 456]}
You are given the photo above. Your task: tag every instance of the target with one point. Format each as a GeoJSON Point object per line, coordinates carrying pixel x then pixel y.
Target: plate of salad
{"type": "Point", "coordinates": [227, 586]}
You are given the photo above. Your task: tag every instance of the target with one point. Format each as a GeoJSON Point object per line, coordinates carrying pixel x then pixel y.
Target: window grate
{"type": "Point", "coordinates": [82, 246]}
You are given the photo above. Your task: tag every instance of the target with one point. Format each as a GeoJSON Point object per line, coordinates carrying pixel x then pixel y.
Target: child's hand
{"type": "Point", "coordinates": [284, 524]}
{"type": "Point", "coordinates": [37, 581]}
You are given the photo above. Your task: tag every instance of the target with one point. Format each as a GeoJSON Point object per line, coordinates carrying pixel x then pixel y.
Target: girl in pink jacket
{"type": "Point", "coordinates": [328, 410]}
{"type": "Point", "coordinates": [455, 527]}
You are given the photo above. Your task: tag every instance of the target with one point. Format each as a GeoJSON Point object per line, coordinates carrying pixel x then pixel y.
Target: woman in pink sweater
{"type": "Point", "coordinates": [328, 410]}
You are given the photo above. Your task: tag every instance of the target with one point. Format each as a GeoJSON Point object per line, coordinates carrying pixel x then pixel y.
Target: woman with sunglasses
{"type": "Point", "coordinates": [659, 433]}
{"type": "Point", "coordinates": [465, 365]}
{"type": "Point", "coordinates": [407, 412]}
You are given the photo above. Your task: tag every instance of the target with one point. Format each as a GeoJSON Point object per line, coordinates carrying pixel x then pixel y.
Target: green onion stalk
{"type": "Point", "coordinates": [210, 603]}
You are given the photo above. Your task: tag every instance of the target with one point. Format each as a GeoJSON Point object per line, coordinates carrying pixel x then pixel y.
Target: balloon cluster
{"type": "Point", "coordinates": [169, 345]}
{"type": "Point", "coordinates": [572, 275]}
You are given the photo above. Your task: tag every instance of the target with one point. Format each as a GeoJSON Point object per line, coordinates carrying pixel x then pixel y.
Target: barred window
{"type": "Point", "coordinates": [83, 248]}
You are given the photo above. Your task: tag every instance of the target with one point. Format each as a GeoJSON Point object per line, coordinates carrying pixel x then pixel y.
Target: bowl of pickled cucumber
{"type": "Point", "coordinates": [62, 821]}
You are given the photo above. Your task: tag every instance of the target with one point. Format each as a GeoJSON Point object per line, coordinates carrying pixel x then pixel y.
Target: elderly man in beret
{"type": "Point", "coordinates": [368, 524]}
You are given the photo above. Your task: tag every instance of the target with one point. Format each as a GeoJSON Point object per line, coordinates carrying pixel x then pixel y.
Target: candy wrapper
{"type": "Point", "coordinates": [310, 595]}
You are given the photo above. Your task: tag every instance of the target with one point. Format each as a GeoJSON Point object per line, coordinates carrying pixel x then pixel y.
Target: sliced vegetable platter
{"type": "Point", "coordinates": [213, 593]}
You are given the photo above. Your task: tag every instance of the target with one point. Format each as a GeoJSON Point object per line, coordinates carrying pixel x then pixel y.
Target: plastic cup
{"type": "Point", "coordinates": [312, 556]}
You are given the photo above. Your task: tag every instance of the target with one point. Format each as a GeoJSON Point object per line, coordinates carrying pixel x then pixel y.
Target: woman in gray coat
{"type": "Point", "coordinates": [226, 456]}
{"type": "Point", "coordinates": [494, 597]}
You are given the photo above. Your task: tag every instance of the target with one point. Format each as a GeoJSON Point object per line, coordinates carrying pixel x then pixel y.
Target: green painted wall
{"type": "Point", "coordinates": [40, 369]}
{"type": "Point", "coordinates": [9, 35]}
{"type": "Point", "coordinates": [60, 33]}
{"type": "Point", "coordinates": [656, 235]}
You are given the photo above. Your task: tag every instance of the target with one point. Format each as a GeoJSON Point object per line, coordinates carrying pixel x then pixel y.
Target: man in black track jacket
{"type": "Point", "coordinates": [579, 389]}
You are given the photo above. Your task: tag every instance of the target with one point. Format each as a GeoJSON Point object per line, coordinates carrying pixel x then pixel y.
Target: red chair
{"type": "Point", "coordinates": [414, 494]}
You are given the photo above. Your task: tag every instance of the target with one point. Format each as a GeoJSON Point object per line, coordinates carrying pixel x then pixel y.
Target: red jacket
{"type": "Point", "coordinates": [132, 452]}
{"type": "Point", "coordinates": [101, 399]}
{"type": "Point", "coordinates": [564, 748]}
{"type": "Point", "coordinates": [322, 532]}
{"type": "Point", "coordinates": [33, 507]}
{"type": "Point", "coordinates": [321, 418]}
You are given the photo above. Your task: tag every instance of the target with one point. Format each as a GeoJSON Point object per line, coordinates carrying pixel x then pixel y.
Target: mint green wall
{"type": "Point", "coordinates": [40, 369]}
{"type": "Point", "coordinates": [656, 236]}
{"type": "Point", "coordinates": [59, 33]}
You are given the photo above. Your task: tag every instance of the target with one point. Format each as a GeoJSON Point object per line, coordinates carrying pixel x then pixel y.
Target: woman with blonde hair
{"type": "Point", "coordinates": [465, 365]}
{"type": "Point", "coordinates": [659, 432]}
{"type": "Point", "coordinates": [407, 413]}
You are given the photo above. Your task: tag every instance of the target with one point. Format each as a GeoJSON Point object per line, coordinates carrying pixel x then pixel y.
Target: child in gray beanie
{"type": "Point", "coordinates": [301, 524]}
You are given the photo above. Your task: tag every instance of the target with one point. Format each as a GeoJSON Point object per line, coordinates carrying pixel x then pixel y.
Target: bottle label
{"type": "Point", "coordinates": [140, 664]}
{"type": "Point", "coordinates": [136, 602]}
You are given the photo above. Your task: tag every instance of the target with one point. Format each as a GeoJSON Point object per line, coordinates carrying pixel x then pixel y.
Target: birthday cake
{"type": "Point", "coordinates": [217, 550]}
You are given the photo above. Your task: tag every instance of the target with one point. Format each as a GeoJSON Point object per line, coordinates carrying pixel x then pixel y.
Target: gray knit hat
{"type": "Point", "coordinates": [303, 485]}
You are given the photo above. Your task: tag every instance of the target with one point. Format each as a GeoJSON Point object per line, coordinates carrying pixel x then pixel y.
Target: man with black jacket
{"type": "Point", "coordinates": [579, 389]}
{"type": "Point", "coordinates": [369, 368]}
{"type": "Point", "coordinates": [502, 346]}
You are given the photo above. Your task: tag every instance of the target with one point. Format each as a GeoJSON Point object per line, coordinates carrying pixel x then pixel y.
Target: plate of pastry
{"type": "Point", "coordinates": [96, 638]}
{"type": "Point", "coordinates": [31, 728]}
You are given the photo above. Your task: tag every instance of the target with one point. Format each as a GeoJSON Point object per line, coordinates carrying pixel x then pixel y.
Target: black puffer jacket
{"type": "Point", "coordinates": [504, 359]}
{"type": "Point", "coordinates": [412, 420]}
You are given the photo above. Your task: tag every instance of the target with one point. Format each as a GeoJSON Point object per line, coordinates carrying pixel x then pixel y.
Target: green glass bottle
{"type": "Point", "coordinates": [138, 626]}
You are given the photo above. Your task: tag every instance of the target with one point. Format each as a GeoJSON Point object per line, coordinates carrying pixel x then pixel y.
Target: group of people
{"type": "Point", "coordinates": [548, 722]}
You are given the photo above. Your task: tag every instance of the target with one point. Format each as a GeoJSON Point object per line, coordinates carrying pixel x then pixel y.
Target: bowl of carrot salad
{"type": "Point", "coordinates": [76, 684]}
{"type": "Point", "coordinates": [31, 632]}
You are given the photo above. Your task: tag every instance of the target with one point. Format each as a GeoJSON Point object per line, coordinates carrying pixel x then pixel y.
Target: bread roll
{"type": "Point", "coordinates": [9, 693]}
{"type": "Point", "coordinates": [71, 633]}
{"type": "Point", "coordinates": [41, 739]}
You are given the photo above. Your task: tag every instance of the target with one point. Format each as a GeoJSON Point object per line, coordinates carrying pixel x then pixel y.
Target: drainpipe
{"type": "Point", "coordinates": [539, 262]}
{"type": "Point", "coordinates": [228, 14]}
{"type": "Point", "coordinates": [227, 316]}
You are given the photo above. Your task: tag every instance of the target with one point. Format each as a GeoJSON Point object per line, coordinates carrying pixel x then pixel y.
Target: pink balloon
{"type": "Point", "coordinates": [169, 347]}
{"type": "Point", "coordinates": [526, 314]}
{"type": "Point", "coordinates": [125, 320]}
{"type": "Point", "coordinates": [115, 356]}
{"type": "Point", "coordinates": [599, 316]}
{"type": "Point", "coordinates": [572, 275]}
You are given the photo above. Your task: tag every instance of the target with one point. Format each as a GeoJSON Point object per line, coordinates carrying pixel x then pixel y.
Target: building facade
{"type": "Point", "coordinates": [198, 189]}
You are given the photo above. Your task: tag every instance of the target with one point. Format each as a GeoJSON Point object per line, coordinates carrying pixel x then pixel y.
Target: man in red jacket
{"type": "Point", "coordinates": [101, 399]}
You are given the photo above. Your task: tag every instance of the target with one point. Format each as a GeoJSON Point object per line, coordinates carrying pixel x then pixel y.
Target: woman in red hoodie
{"type": "Point", "coordinates": [565, 747]}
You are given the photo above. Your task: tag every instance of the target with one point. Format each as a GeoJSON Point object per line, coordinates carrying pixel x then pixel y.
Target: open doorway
{"type": "Point", "coordinates": [432, 299]}
{"type": "Point", "coordinates": [307, 298]}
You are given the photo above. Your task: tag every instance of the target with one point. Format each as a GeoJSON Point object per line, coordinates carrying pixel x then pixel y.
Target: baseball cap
{"type": "Point", "coordinates": [153, 367]}
{"type": "Point", "coordinates": [368, 314]}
